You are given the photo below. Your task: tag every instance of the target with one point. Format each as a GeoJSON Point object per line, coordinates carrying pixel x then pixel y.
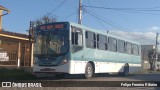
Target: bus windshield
{"type": "Point", "coordinates": [52, 42]}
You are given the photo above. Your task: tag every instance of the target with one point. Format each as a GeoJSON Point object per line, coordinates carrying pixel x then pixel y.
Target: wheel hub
{"type": "Point", "coordinates": [89, 71]}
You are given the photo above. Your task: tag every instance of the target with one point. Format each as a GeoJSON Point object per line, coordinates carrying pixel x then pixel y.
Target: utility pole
{"type": "Point", "coordinates": [31, 36]}
{"type": "Point", "coordinates": [1, 14]}
{"type": "Point", "coordinates": [80, 12]}
{"type": "Point", "coordinates": [1, 19]}
{"type": "Point", "coordinates": [156, 51]}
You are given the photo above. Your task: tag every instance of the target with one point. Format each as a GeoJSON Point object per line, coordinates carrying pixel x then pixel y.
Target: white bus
{"type": "Point", "coordinates": [68, 48]}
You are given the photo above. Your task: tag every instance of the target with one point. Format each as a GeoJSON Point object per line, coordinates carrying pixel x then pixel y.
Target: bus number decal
{"type": "Point", "coordinates": [50, 27]}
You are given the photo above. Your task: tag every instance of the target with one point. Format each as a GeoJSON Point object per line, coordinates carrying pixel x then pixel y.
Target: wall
{"type": "Point", "coordinates": [18, 52]}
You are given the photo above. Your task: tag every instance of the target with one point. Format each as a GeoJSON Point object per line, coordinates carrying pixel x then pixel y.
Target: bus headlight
{"type": "Point", "coordinates": [64, 61]}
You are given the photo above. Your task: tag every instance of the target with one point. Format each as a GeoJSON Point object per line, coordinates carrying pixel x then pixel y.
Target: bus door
{"type": "Point", "coordinates": [77, 47]}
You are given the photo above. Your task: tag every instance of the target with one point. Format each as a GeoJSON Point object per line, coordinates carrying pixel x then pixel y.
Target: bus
{"type": "Point", "coordinates": [69, 48]}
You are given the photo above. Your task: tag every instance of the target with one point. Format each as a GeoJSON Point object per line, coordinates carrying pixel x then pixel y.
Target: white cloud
{"type": "Point", "coordinates": [154, 29]}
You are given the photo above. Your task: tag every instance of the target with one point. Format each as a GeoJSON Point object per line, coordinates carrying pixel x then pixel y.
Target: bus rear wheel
{"type": "Point", "coordinates": [126, 70]}
{"type": "Point", "coordinates": [89, 71]}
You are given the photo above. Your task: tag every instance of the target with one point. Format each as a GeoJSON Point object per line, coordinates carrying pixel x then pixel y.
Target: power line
{"type": "Point", "coordinates": [71, 4]}
{"type": "Point", "coordinates": [96, 14]}
{"type": "Point", "coordinates": [130, 10]}
{"type": "Point", "coordinates": [56, 8]}
{"type": "Point", "coordinates": [137, 12]}
{"type": "Point", "coordinates": [69, 15]}
{"type": "Point", "coordinates": [119, 28]}
{"type": "Point", "coordinates": [60, 5]}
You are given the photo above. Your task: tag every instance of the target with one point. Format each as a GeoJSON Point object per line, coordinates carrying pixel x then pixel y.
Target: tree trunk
{"type": "Point", "coordinates": [151, 66]}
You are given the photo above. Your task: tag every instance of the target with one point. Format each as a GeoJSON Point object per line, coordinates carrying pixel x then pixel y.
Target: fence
{"type": "Point", "coordinates": [13, 59]}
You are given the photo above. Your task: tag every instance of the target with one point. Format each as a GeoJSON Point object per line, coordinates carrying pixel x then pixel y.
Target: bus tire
{"type": "Point", "coordinates": [89, 72]}
{"type": "Point", "coordinates": [126, 70]}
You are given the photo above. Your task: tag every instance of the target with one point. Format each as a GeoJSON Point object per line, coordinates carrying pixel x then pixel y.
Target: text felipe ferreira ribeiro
{"type": "Point", "coordinates": [146, 84]}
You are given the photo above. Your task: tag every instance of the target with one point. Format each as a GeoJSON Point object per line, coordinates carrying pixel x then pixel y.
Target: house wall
{"type": "Point", "coordinates": [18, 51]}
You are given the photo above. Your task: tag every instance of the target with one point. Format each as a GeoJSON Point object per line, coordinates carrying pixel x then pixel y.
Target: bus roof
{"type": "Point", "coordinates": [102, 32]}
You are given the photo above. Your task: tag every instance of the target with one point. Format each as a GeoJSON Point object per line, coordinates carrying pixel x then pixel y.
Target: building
{"type": "Point", "coordinates": [15, 48]}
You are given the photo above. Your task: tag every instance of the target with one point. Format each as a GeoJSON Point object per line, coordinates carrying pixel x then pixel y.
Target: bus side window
{"type": "Point", "coordinates": [135, 49]}
{"type": "Point", "coordinates": [76, 36]}
{"type": "Point", "coordinates": [90, 39]}
{"type": "Point", "coordinates": [112, 44]}
{"type": "Point", "coordinates": [128, 48]}
{"type": "Point", "coordinates": [102, 42]}
{"type": "Point", "coordinates": [121, 46]}
{"type": "Point", "coordinates": [77, 39]}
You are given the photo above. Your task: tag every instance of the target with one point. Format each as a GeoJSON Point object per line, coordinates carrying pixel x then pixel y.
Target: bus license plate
{"type": "Point", "coordinates": [47, 69]}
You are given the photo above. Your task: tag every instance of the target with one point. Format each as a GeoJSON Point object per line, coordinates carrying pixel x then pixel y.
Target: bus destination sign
{"type": "Point", "coordinates": [53, 26]}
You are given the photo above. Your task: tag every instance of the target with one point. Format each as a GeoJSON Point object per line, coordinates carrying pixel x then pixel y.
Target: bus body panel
{"type": "Point", "coordinates": [52, 69]}
{"type": "Point", "coordinates": [78, 67]}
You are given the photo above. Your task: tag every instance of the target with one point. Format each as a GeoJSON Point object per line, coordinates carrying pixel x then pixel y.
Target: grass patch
{"type": "Point", "coordinates": [15, 74]}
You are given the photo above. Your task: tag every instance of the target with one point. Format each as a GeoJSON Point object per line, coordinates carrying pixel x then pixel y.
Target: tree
{"type": "Point", "coordinates": [43, 20]}
{"type": "Point", "coordinates": [151, 57]}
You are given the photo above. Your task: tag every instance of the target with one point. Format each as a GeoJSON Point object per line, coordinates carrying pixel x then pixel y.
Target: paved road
{"type": "Point", "coordinates": [115, 78]}
{"type": "Point", "coordinates": [99, 78]}
{"type": "Point", "coordinates": [111, 77]}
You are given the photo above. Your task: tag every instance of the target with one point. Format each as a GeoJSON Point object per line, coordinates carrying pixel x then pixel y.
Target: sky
{"type": "Point", "coordinates": [126, 18]}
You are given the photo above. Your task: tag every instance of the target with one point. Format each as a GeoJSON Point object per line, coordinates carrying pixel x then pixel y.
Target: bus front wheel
{"type": "Point", "coordinates": [89, 71]}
